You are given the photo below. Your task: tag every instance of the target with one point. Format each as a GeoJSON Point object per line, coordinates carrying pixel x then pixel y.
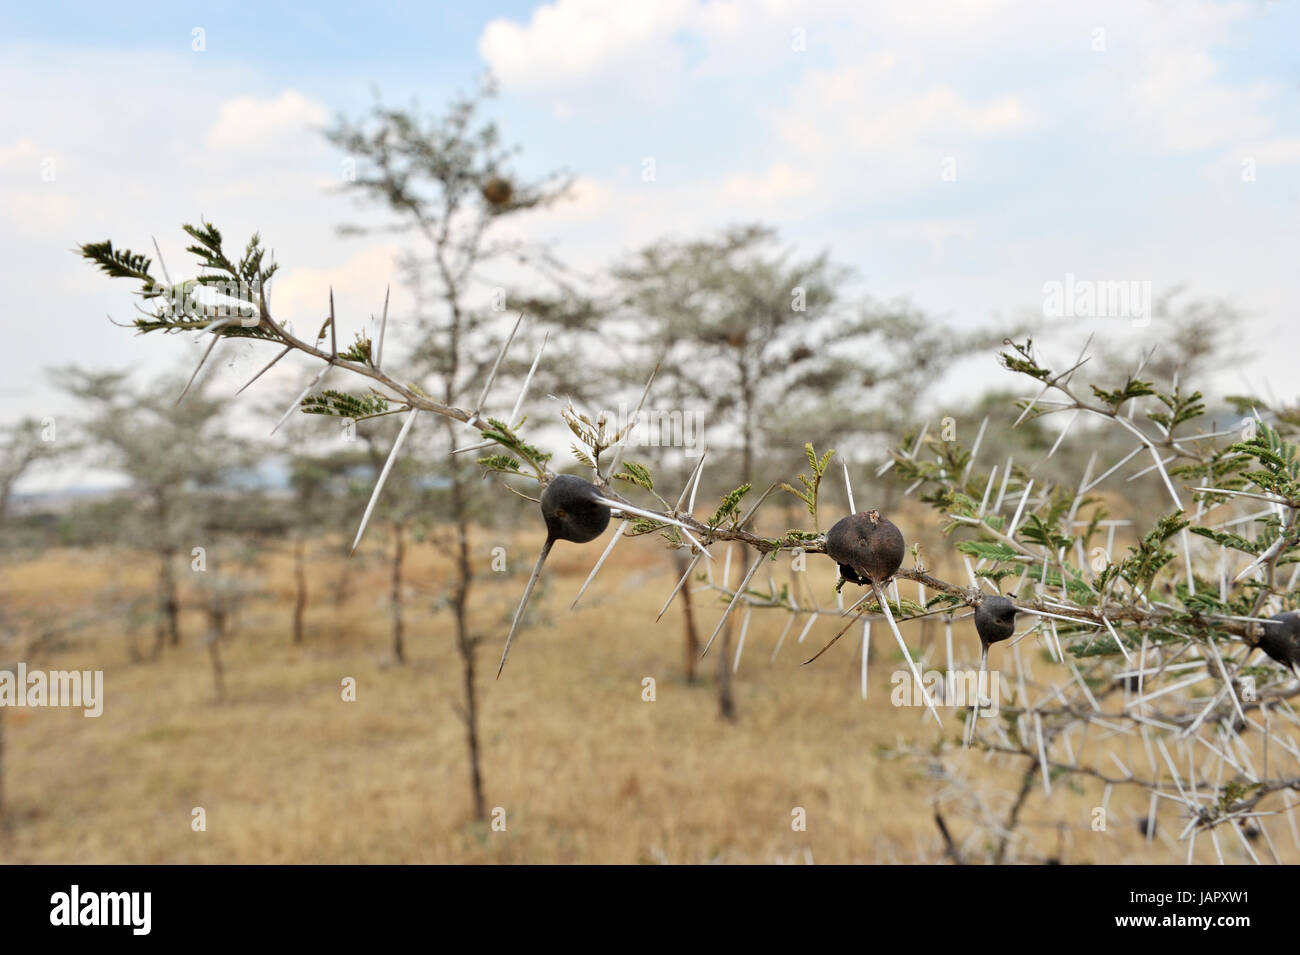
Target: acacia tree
{"type": "Point", "coordinates": [317, 484]}
{"type": "Point", "coordinates": [407, 507]}
{"type": "Point", "coordinates": [446, 180]}
{"type": "Point", "coordinates": [23, 444]}
{"type": "Point", "coordinates": [166, 450]}
{"type": "Point", "coordinates": [21, 447]}
{"type": "Point", "coordinates": [774, 351]}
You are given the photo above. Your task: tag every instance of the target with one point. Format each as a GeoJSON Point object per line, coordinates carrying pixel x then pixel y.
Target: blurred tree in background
{"type": "Point", "coordinates": [447, 181]}
{"type": "Point", "coordinates": [168, 452]}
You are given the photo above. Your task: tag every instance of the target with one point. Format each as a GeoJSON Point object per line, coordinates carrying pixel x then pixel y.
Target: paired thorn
{"type": "Point", "coordinates": [691, 482]}
{"type": "Point", "coordinates": [1273, 550]}
{"type": "Point", "coordinates": [514, 413]}
{"type": "Point", "coordinates": [492, 375]}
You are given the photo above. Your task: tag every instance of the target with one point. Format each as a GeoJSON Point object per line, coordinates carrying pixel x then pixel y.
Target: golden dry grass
{"type": "Point", "coordinates": [585, 770]}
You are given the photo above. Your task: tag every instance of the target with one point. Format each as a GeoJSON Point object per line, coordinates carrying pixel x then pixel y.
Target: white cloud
{"type": "Point", "coordinates": [1181, 98]}
{"type": "Point", "coordinates": [264, 125]}
{"type": "Point", "coordinates": [779, 181]}
{"type": "Point", "coordinates": [1282, 151]}
{"type": "Point", "coordinates": [131, 168]}
{"type": "Point", "coordinates": [571, 41]}
{"type": "Point", "coordinates": [22, 151]}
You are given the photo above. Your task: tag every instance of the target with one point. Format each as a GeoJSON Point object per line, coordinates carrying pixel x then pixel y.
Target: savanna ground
{"type": "Point", "coordinates": [586, 771]}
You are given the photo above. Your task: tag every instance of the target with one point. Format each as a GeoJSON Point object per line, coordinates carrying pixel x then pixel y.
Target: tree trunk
{"type": "Point", "coordinates": [220, 604]}
{"type": "Point", "coordinates": [168, 628]}
{"type": "Point", "coordinates": [466, 644]}
{"type": "Point", "coordinates": [399, 555]}
{"type": "Point", "coordinates": [343, 586]}
{"type": "Point", "coordinates": [681, 561]}
{"type": "Point", "coordinates": [132, 631]}
{"type": "Point", "coordinates": [300, 587]}
{"type": "Point", "coordinates": [218, 668]}
{"type": "Point", "coordinates": [4, 818]}
{"type": "Point", "coordinates": [726, 696]}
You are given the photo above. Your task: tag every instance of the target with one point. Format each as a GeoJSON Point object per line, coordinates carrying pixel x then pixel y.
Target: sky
{"type": "Point", "coordinates": [961, 155]}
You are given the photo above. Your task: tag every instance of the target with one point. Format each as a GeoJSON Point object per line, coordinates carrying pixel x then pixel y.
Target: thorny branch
{"type": "Point", "coordinates": [1131, 624]}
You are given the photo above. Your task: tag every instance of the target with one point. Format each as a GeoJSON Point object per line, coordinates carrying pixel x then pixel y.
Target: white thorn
{"type": "Point", "coordinates": [987, 488]}
{"type": "Point", "coordinates": [1260, 497]}
{"type": "Point", "coordinates": [740, 642]}
{"type": "Point", "coordinates": [1122, 461]}
{"type": "Point", "coordinates": [735, 597]}
{"type": "Point", "coordinates": [651, 515]}
{"type": "Point", "coordinates": [975, 449]}
{"type": "Point", "coordinates": [1002, 491]}
{"type": "Point", "coordinates": [812, 618]}
{"type": "Point", "coordinates": [383, 476]}
{"type": "Point", "coordinates": [866, 653]}
{"type": "Point", "coordinates": [528, 380]}
{"type": "Point", "coordinates": [265, 369]}
{"type": "Point", "coordinates": [902, 645]}
{"type": "Point", "coordinates": [686, 488]}
{"type": "Point", "coordinates": [749, 515]}
{"type": "Point", "coordinates": [296, 401]}
{"type": "Point", "coordinates": [1274, 549]}
{"type": "Point", "coordinates": [699, 476]}
{"type": "Point", "coordinates": [215, 328]}
{"type": "Point", "coordinates": [1020, 508]}
{"type": "Point", "coordinates": [492, 375]}
{"type": "Point", "coordinates": [788, 624]}
{"type": "Point", "coordinates": [383, 327]}
{"type": "Point", "coordinates": [1061, 437]}
{"type": "Point", "coordinates": [686, 576]}
{"type": "Point", "coordinates": [523, 602]}
{"type": "Point", "coordinates": [166, 274]}
{"type": "Point", "coordinates": [631, 425]}
{"type": "Point", "coordinates": [592, 576]}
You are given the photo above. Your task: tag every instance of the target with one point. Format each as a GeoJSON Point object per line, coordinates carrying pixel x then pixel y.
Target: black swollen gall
{"type": "Point", "coordinates": [574, 511]}
{"type": "Point", "coordinates": [1281, 640]}
{"type": "Point", "coordinates": [995, 620]}
{"type": "Point", "coordinates": [868, 548]}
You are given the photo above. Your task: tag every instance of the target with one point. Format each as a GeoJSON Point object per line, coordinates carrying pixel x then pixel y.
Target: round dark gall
{"type": "Point", "coordinates": [868, 548]}
{"type": "Point", "coordinates": [1281, 639]}
{"type": "Point", "coordinates": [995, 619]}
{"type": "Point", "coordinates": [571, 510]}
